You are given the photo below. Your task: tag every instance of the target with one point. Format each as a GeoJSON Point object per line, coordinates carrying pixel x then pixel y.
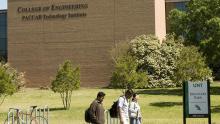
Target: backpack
{"type": "Point", "coordinates": [88, 115]}
{"type": "Point", "coordinates": [114, 110]}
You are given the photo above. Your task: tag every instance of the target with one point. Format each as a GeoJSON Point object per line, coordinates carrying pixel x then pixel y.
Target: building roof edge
{"type": "Point", "coordinates": [168, 1]}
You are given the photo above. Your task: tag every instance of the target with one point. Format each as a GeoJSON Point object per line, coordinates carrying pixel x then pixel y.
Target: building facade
{"type": "Point", "coordinates": [44, 33]}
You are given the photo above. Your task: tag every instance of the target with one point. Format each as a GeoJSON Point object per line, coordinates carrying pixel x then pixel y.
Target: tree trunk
{"type": "Point", "coordinates": [63, 99]}
{"type": "Point", "coordinates": [66, 100]}
{"type": "Point", "coordinates": [69, 98]}
{"type": "Point", "coordinates": [3, 99]}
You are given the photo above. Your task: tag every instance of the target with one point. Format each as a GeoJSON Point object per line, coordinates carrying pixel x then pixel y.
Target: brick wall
{"type": "Point", "coordinates": [37, 47]}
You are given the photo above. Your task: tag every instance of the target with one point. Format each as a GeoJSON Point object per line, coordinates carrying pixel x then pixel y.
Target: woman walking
{"type": "Point", "coordinates": [135, 110]}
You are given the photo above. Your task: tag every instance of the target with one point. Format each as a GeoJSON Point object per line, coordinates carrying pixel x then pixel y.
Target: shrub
{"type": "Point", "coordinates": [67, 80]}
{"type": "Point", "coordinates": [147, 62]}
{"type": "Point", "coordinates": [191, 66]}
{"type": "Point", "coordinates": [10, 81]}
{"type": "Point", "coordinates": [156, 59]}
{"type": "Point", "coordinates": [126, 76]}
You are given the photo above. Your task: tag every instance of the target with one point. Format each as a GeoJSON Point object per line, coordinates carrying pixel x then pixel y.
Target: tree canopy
{"type": "Point", "coordinates": [10, 81]}
{"type": "Point", "coordinates": [67, 80]}
{"type": "Point", "coordinates": [200, 26]}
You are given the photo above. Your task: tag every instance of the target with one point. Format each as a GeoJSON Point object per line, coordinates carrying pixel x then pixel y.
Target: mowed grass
{"type": "Point", "coordinates": [159, 106]}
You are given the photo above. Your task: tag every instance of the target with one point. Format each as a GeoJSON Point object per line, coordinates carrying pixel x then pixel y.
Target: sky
{"type": "Point", "coordinates": [3, 4]}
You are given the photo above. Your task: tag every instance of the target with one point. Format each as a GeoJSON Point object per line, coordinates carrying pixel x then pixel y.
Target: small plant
{"type": "Point", "coordinates": [10, 81]}
{"type": "Point", "coordinates": [67, 80]}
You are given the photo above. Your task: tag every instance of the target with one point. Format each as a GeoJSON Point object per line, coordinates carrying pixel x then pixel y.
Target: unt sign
{"type": "Point", "coordinates": [196, 100]}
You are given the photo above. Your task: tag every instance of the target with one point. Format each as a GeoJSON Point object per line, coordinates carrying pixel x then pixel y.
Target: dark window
{"type": "Point", "coordinates": [3, 35]}
{"type": "Point", "coordinates": [181, 6]}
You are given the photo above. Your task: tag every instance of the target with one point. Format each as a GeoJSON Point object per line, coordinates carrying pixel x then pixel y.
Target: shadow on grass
{"type": "Point", "coordinates": [166, 104]}
{"type": "Point", "coordinates": [215, 91]}
{"type": "Point", "coordinates": [57, 109]}
{"type": "Point", "coordinates": [176, 92]}
{"type": "Point", "coordinates": [215, 109]}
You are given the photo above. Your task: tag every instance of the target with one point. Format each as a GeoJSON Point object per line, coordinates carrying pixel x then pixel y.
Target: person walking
{"type": "Point", "coordinates": [123, 107]}
{"type": "Point", "coordinates": [135, 110]}
{"type": "Point", "coordinates": [97, 110]}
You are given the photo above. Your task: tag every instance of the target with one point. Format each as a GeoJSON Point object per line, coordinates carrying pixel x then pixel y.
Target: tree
{"type": "Point", "coordinates": [191, 66]}
{"type": "Point", "coordinates": [67, 80]}
{"type": "Point", "coordinates": [200, 26]}
{"type": "Point", "coordinates": [11, 81]}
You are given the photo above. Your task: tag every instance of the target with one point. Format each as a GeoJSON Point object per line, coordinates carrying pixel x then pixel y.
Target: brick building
{"type": "Point", "coordinates": [44, 33]}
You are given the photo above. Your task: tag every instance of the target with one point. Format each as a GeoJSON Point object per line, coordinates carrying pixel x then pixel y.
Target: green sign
{"type": "Point", "coordinates": [196, 99]}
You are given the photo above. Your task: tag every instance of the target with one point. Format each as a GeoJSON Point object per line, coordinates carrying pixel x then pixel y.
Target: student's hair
{"type": "Point", "coordinates": [129, 92]}
{"type": "Point", "coordinates": [134, 96]}
{"type": "Point", "coordinates": [100, 94]}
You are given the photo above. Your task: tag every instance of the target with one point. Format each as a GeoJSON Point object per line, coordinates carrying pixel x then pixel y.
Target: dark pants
{"type": "Point", "coordinates": [135, 120]}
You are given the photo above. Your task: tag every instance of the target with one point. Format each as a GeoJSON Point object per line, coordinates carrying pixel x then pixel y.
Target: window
{"type": "Point", "coordinates": [3, 35]}
{"type": "Point", "coordinates": [181, 6]}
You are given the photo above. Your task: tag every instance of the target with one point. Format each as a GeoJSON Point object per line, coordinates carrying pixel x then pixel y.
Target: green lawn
{"type": "Point", "coordinates": [159, 106]}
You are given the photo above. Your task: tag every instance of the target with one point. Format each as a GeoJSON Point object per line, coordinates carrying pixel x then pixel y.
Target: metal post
{"type": "Point", "coordinates": [107, 116]}
{"type": "Point", "coordinates": [26, 117]}
{"type": "Point", "coordinates": [209, 103]}
{"type": "Point", "coordinates": [39, 115]}
{"type": "Point", "coordinates": [17, 112]}
{"type": "Point", "coordinates": [12, 118]}
{"type": "Point", "coordinates": [44, 114]}
{"type": "Point", "coordinates": [48, 114]}
{"type": "Point", "coordinates": [184, 116]}
{"type": "Point", "coordinates": [8, 117]}
{"type": "Point", "coordinates": [22, 116]}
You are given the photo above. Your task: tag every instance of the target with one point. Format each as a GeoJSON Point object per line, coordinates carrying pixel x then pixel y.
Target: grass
{"type": "Point", "coordinates": [159, 106]}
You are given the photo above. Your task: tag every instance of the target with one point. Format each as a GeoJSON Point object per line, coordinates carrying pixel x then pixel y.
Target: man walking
{"type": "Point", "coordinates": [97, 110]}
{"type": "Point", "coordinates": [123, 107]}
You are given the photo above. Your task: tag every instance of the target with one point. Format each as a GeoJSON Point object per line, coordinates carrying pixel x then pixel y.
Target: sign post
{"type": "Point", "coordinates": [196, 99]}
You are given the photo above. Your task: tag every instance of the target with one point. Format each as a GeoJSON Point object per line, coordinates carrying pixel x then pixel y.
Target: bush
{"type": "Point", "coordinates": [67, 80]}
{"type": "Point", "coordinates": [157, 59]}
{"type": "Point", "coordinates": [149, 63]}
{"type": "Point", "coordinates": [191, 66]}
{"type": "Point", "coordinates": [126, 76]}
{"type": "Point", "coordinates": [10, 81]}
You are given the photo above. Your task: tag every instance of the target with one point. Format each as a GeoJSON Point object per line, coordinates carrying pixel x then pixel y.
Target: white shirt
{"type": "Point", "coordinates": [134, 109]}
{"type": "Point", "coordinates": [123, 104]}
